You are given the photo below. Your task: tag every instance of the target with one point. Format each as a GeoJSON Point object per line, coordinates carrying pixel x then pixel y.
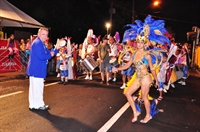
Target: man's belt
{"type": "Point", "coordinates": [113, 56]}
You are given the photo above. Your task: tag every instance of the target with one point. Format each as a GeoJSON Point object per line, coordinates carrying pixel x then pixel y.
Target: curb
{"type": "Point", "coordinates": [10, 77]}
{"type": "Point", "coordinates": [5, 76]}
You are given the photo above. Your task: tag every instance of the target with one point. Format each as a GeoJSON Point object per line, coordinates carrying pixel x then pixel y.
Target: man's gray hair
{"type": "Point", "coordinates": [43, 28]}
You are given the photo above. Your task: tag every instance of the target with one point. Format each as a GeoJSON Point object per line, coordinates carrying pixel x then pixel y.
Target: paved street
{"type": "Point", "coordinates": [87, 106]}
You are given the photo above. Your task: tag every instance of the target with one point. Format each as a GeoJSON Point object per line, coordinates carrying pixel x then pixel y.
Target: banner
{"type": "Point", "coordinates": [6, 64]}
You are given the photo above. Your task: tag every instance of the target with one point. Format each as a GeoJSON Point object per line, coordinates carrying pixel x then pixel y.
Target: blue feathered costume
{"type": "Point", "coordinates": [151, 32]}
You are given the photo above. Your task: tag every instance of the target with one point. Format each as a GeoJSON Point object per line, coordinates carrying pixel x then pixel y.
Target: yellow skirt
{"type": "Point", "coordinates": [133, 78]}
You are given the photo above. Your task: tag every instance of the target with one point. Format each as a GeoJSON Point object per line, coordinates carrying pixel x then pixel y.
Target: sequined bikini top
{"type": "Point", "coordinates": [141, 61]}
{"type": "Point", "coordinates": [138, 63]}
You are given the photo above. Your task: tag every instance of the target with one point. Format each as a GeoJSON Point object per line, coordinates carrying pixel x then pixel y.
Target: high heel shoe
{"type": "Point", "coordinates": [148, 119]}
{"type": "Point", "coordinates": [135, 119]}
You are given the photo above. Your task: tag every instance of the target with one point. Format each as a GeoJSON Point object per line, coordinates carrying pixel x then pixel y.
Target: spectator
{"type": "Point", "coordinates": [37, 68]}
{"type": "Point", "coordinates": [23, 56]}
{"type": "Point", "coordinates": [103, 54]}
{"type": "Point", "coordinates": [11, 46]}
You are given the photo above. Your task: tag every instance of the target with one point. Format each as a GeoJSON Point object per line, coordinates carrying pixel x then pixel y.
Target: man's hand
{"type": "Point", "coordinates": [52, 54]}
{"type": "Point", "coordinates": [114, 69]}
{"type": "Point", "coordinates": [57, 46]}
{"type": "Point", "coordinates": [69, 38]}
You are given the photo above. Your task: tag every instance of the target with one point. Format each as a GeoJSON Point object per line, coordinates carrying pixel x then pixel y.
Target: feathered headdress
{"type": "Point", "coordinates": [150, 30]}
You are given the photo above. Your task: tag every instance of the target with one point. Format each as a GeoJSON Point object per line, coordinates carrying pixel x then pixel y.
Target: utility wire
{"type": "Point", "coordinates": [170, 19]}
{"type": "Point", "coordinates": [180, 9]}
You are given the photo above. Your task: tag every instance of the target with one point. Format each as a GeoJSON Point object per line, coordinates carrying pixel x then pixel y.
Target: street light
{"type": "Point", "coordinates": [155, 3]}
{"type": "Point", "coordinates": [108, 25]}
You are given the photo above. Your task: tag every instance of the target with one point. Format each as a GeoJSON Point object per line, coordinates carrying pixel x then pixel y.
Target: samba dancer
{"type": "Point", "coordinates": [151, 30]}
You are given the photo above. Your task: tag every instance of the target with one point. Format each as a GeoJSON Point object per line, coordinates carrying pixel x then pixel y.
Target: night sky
{"type": "Point", "coordinates": [75, 17]}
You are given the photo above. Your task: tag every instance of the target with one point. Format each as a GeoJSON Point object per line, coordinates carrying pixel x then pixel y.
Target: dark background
{"type": "Point", "coordinates": [75, 17]}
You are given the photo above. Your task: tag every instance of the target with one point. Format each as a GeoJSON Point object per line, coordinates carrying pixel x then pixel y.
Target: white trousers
{"type": "Point", "coordinates": [36, 88]}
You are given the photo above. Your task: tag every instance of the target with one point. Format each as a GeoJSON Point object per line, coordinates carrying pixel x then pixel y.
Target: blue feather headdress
{"type": "Point", "coordinates": [151, 30]}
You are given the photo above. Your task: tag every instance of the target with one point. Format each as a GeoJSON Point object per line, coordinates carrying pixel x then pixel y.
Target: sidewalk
{"type": "Point", "coordinates": [10, 75]}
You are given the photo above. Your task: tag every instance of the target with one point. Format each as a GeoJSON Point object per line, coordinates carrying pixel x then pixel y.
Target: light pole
{"type": "Point", "coordinates": [108, 25]}
{"type": "Point", "coordinates": [133, 11]}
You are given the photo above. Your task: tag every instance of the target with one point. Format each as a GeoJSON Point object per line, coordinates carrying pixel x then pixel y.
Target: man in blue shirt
{"type": "Point", "coordinates": [37, 68]}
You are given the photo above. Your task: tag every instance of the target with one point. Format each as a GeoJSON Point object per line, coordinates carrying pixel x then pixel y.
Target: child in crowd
{"type": "Point", "coordinates": [182, 63]}
{"type": "Point", "coordinates": [60, 42]}
{"type": "Point", "coordinates": [127, 72]}
{"type": "Point", "coordinates": [63, 67]}
{"type": "Point", "coordinates": [162, 76]}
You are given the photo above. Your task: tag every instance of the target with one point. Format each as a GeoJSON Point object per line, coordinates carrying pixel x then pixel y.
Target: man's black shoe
{"type": "Point", "coordinates": [60, 82]}
{"type": "Point", "coordinates": [46, 107]}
